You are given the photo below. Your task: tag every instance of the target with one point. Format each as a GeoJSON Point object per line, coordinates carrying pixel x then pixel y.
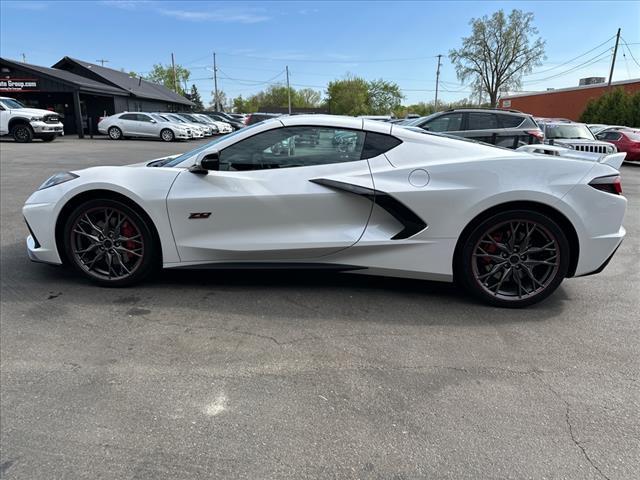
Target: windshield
{"type": "Point", "coordinates": [190, 117]}
{"type": "Point", "coordinates": [11, 103]}
{"type": "Point", "coordinates": [176, 119]}
{"type": "Point", "coordinates": [410, 122]}
{"type": "Point", "coordinates": [157, 118]}
{"type": "Point", "coordinates": [192, 153]}
{"type": "Point", "coordinates": [568, 130]}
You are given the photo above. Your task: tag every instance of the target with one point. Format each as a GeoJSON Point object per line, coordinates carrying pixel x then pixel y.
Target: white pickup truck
{"type": "Point", "coordinates": [24, 124]}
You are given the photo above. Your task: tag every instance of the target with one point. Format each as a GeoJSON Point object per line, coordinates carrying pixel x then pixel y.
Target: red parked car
{"type": "Point", "coordinates": [625, 140]}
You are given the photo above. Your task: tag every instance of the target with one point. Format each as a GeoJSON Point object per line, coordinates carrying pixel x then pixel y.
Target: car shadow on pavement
{"type": "Point", "coordinates": [306, 294]}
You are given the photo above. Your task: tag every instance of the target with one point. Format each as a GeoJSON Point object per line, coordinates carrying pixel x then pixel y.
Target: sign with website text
{"type": "Point", "coordinates": [18, 85]}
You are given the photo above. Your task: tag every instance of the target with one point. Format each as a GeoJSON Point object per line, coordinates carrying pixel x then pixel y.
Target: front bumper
{"type": "Point", "coordinates": [41, 244]}
{"type": "Point", "coordinates": [47, 128]}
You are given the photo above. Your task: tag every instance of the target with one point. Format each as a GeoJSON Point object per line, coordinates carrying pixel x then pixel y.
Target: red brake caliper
{"type": "Point", "coordinates": [128, 231]}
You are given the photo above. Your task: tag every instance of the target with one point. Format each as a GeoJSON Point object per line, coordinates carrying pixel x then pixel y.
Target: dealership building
{"type": "Point", "coordinates": [82, 92]}
{"type": "Point", "coordinates": [566, 103]}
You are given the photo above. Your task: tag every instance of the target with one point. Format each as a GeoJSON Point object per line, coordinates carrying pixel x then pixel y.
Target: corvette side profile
{"type": "Point", "coordinates": [366, 197]}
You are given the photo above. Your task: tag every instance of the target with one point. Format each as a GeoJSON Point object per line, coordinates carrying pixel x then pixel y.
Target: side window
{"type": "Point", "coordinates": [444, 123]}
{"type": "Point", "coordinates": [482, 121]}
{"type": "Point", "coordinates": [143, 118]}
{"type": "Point", "coordinates": [293, 147]}
{"type": "Point", "coordinates": [377, 143]}
{"type": "Point", "coordinates": [510, 121]}
{"type": "Point", "coordinates": [129, 116]}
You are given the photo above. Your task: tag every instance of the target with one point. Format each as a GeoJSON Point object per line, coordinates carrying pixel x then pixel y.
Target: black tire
{"type": "Point", "coordinates": [115, 133]}
{"type": "Point", "coordinates": [167, 135]}
{"type": "Point", "coordinates": [22, 133]}
{"type": "Point", "coordinates": [48, 138]}
{"type": "Point", "coordinates": [111, 243]}
{"type": "Point", "coordinates": [538, 258]}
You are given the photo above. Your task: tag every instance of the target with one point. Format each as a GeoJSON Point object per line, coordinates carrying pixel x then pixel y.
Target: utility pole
{"type": "Point", "coordinates": [288, 89]}
{"type": "Point", "coordinates": [175, 78]}
{"type": "Point", "coordinates": [24, 58]}
{"type": "Point", "coordinates": [102, 61]}
{"type": "Point", "coordinates": [613, 61]}
{"type": "Point", "coordinates": [215, 83]}
{"type": "Point", "coordinates": [435, 103]}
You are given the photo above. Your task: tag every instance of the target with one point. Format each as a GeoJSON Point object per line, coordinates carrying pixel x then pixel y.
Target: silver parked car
{"type": "Point", "coordinates": [199, 131]}
{"type": "Point", "coordinates": [130, 124]}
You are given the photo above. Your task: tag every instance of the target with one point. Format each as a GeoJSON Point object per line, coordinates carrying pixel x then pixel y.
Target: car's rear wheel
{"type": "Point", "coordinates": [514, 259]}
{"type": "Point", "coordinates": [109, 243]}
{"type": "Point", "coordinates": [22, 133]}
{"type": "Point", "coordinates": [115, 133]}
{"type": "Point", "coordinates": [167, 135]}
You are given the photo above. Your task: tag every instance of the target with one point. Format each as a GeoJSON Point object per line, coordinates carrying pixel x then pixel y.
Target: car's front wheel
{"type": "Point", "coordinates": [22, 133]}
{"type": "Point", "coordinates": [115, 133]}
{"type": "Point", "coordinates": [167, 135]}
{"type": "Point", "coordinates": [109, 242]}
{"type": "Point", "coordinates": [513, 259]}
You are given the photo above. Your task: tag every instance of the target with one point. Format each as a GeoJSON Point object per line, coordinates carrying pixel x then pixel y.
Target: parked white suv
{"type": "Point", "coordinates": [24, 124]}
{"type": "Point", "coordinates": [133, 124]}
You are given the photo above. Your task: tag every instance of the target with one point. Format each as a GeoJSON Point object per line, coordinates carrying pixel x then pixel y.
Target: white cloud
{"type": "Point", "coordinates": [126, 4]}
{"type": "Point", "coordinates": [226, 16]}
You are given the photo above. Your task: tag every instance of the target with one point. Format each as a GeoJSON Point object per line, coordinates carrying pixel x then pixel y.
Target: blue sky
{"type": "Point", "coordinates": [318, 40]}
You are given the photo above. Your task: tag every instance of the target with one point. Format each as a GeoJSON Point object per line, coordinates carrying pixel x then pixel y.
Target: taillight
{"type": "Point", "coordinates": [610, 184]}
{"type": "Point", "coordinates": [536, 133]}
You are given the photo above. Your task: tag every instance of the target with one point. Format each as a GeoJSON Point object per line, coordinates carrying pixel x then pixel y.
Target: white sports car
{"type": "Point", "coordinates": [368, 197]}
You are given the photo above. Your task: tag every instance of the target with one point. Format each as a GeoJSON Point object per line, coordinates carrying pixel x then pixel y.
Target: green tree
{"type": "Point", "coordinates": [194, 96]}
{"type": "Point", "coordinates": [222, 100]}
{"type": "Point", "coordinates": [633, 119]}
{"type": "Point", "coordinates": [348, 97]}
{"type": "Point", "coordinates": [306, 98]}
{"type": "Point", "coordinates": [615, 107]}
{"type": "Point", "coordinates": [499, 51]}
{"type": "Point", "coordinates": [164, 76]}
{"type": "Point", "coordinates": [384, 97]}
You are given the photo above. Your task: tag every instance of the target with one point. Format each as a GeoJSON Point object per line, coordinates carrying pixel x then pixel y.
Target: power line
{"type": "Point", "coordinates": [587, 63]}
{"type": "Point", "coordinates": [629, 50]}
{"type": "Point", "coordinates": [282, 59]}
{"type": "Point", "coordinates": [574, 58]}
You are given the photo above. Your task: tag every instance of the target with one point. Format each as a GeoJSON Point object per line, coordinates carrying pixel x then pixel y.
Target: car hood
{"type": "Point", "coordinates": [579, 141]}
{"type": "Point", "coordinates": [34, 111]}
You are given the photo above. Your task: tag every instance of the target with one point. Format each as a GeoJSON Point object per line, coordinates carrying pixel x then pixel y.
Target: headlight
{"type": "Point", "coordinates": [57, 179]}
{"type": "Point", "coordinates": [36, 119]}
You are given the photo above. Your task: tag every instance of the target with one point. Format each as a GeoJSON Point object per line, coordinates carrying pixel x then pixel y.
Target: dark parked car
{"type": "Point", "coordinates": [259, 117]}
{"type": "Point", "coordinates": [224, 117]}
{"type": "Point", "coordinates": [505, 128]}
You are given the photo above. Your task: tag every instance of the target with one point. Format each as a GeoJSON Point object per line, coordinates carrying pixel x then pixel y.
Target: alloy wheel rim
{"type": "Point", "coordinates": [166, 135]}
{"type": "Point", "coordinates": [115, 133]}
{"type": "Point", "coordinates": [22, 133]}
{"type": "Point", "coordinates": [516, 260]}
{"type": "Point", "coordinates": [107, 244]}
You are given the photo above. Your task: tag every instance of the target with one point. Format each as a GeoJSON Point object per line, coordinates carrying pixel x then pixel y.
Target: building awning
{"type": "Point", "coordinates": [71, 79]}
{"type": "Point", "coordinates": [137, 87]}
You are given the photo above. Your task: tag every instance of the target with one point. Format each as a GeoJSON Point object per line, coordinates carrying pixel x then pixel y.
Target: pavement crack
{"type": "Point", "coordinates": [567, 418]}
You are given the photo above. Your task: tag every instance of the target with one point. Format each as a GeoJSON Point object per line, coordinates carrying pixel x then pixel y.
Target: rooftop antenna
{"type": "Point", "coordinates": [102, 61]}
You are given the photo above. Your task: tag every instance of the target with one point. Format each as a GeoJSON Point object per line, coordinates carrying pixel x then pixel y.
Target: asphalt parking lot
{"type": "Point", "coordinates": [293, 375]}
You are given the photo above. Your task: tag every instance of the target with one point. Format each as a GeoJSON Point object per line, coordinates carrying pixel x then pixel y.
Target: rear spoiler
{"type": "Point", "coordinates": [612, 159]}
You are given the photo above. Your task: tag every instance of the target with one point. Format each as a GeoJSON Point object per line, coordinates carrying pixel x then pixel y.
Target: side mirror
{"type": "Point", "coordinates": [210, 161]}
{"type": "Point", "coordinates": [153, 121]}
